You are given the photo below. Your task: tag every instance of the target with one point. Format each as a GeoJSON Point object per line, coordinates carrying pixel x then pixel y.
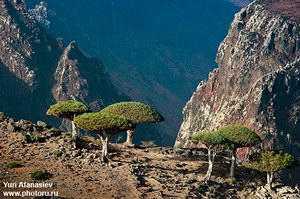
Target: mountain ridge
{"type": "Point", "coordinates": [45, 71]}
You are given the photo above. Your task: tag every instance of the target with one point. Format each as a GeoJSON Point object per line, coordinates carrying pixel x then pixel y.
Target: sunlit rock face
{"type": "Point", "coordinates": [257, 82]}
{"type": "Point", "coordinates": [257, 79]}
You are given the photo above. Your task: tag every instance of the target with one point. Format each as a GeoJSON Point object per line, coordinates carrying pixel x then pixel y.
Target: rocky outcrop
{"type": "Point", "coordinates": [23, 41]}
{"type": "Point", "coordinates": [257, 80]}
{"type": "Point", "coordinates": [81, 78]}
{"type": "Point", "coordinates": [27, 56]}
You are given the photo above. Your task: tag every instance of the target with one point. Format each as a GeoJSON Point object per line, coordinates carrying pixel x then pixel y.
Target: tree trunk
{"type": "Point", "coordinates": [269, 180]}
{"type": "Point", "coordinates": [105, 150]}
{"type": "Point", "coordinates": [211, 159]}
{"type": "Point", "coordinates": [233, 162]}
{"type": "Point", "coordinates": [129, 140]}
{"type": "Point", "coordinates": [104, 141]}
{"type": "Point", "coordinates": [74, 131]}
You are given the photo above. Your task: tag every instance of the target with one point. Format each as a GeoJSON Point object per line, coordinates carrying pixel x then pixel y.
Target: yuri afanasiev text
{"type": "Point", "coordinates": [28, 185]}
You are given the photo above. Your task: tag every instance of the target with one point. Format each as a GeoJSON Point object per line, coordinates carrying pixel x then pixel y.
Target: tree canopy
{"type": "Point", "coordinates": [67, 109]}
{"type": "Point", "coordinates": [136, 112]}
{"type": "Point", "coordinates": [271, 160]}
{"type": "Point", "coordinates": [214, 143]}
{"type": "Point", "coordinates": [100, 121]}
{"type": "Point", "coordinates": [239, 136]}
{"type": "Point", "coordinates": [209, 138]}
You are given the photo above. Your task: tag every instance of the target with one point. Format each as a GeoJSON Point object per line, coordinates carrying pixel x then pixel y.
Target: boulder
{"type": "Point", "coordinates": [1, 117]}
{"type": "Point", "coordinates": [42, 124]}
{"type": "Point", "coordinates": [11, 127]}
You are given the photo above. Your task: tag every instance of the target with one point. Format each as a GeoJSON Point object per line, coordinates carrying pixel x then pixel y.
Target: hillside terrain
{"type": "Point", "coordinates": [41, 70]}
{"type": "Point", "coordinates": [140, 172]}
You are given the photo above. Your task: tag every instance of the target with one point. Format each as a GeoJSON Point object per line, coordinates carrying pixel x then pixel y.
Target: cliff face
{"type": "Point", "coordinates": [257, 79]}
{"type": "Point", "coordinates": [27, 56]}
{"type": "Point", "coordinates": [82, 78]}
{"type": "Point", "coordinates": [22, 41]}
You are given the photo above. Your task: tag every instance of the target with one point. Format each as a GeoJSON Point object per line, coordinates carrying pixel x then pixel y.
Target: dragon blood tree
{"type": "Point", "coordinates": [238, 136]}
{"type": "Point", "coordinates": [137, 113]}
{"type": "Point", "coordinates": [105, 125]}
{"type": "Point", "coordinates": [215, 143]}
{"type": "Point", "coordinates": [69, 110]}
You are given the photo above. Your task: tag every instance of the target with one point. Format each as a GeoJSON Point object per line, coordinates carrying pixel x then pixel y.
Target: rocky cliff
{"type": "Point", "coordinates": [257, 79]}
{"type": "Point", "coordinates": [44, 69]}
{"type": "Point", "coordinates": [27, 56]}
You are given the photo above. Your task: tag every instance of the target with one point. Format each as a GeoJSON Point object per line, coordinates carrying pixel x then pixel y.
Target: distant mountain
{"type": "Point", "coordinates": [36, 70]}
{"type": "Point", "coordinates": [155, 51]}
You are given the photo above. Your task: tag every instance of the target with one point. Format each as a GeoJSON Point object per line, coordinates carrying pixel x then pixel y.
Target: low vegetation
{"type": "Point", "coordinates": [57, 153]}
{"type": "Point", "coordinates": [13, 165]}
{"type": "Point", "coordinates": [92, 140]}
{"type": "Point", "coordinates": [29, 138]}
{"type": "Point", "coordinates": [40, 175]}
{"type": "Point", "coordinates": [148, 144]}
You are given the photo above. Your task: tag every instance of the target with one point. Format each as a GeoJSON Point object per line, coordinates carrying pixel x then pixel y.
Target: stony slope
{"type": "Point", "coordinates": [257, 79]}
{"type": "Point", "coordinates": [144, 172]}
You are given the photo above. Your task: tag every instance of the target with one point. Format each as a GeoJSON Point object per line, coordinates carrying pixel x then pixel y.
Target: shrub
{"type": "Point", "coordinates": [13, 165]}
{"type": "Point", "coordinates": [29, 138]}
{"type": "Point", "coordinates": [41, 175]}
{"type": "Point", "coordinates": [57, 153]}
{"type": "Point", "coordinates": [270, 161]}
{"type": "Point", "coordinates": [148, 144]}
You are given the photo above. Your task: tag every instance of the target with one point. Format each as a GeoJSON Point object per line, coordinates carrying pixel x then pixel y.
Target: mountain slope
{"type": "Point", "coordinates": [257, 81]}
{"type": "Point", "coordinates": [41, 71]}
{"type": "Point", "coordinates": [156, 51]}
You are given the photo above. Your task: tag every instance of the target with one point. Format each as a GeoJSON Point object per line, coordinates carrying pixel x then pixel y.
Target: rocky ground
{"type": "Point", "coordinates": [136, 172]}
